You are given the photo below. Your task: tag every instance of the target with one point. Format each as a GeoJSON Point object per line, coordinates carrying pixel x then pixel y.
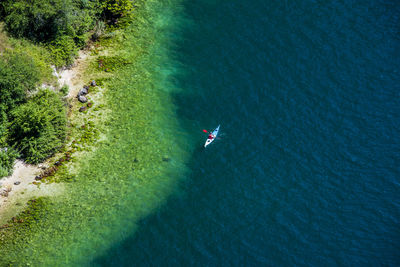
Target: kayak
{"type": "Point", "coordinates": [214, 133]}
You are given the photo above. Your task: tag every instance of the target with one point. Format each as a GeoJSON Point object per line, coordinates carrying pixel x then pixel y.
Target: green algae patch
{"type": "Point", "coordinates": [111, 63]}
{"type": "Point", "coordinates": [138, 159]}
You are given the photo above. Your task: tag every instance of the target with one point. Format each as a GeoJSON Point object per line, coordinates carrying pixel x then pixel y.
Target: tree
{"type": "Point", "coordinates": [33, 19]}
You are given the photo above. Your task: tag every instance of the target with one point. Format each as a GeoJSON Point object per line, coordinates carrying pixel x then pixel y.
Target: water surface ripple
{"type": "Point", "coordinates": [307, 174]}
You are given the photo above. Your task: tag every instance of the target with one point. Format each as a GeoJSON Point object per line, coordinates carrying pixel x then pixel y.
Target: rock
{"type": "Point", "coordinates": [93, 83]}
{"type": "Point", "coordinates": [82, 99]}
{"type": "Point", "coordinates": [4, 226]}
{"type": "Point", "coordinates": [3, 193]}
{"type": "Point", "coordinates": [166, 159]}
{"type": "Point", "coordinates": [17, 182]}
{"type": "Point", "coordinates": [42, 166]}
{"type": "Point", "coordinates": [83, 91]}
{"type": "Point", "coordinates": [82, 109]}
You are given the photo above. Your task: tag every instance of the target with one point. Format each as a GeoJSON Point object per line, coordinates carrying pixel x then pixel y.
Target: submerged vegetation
{"type": "Point", "coordinates": [35, 35]}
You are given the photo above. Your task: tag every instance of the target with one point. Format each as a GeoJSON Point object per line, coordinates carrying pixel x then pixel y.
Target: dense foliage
{"type": "Point", "coordinates": [35, 126]}
{"type": "Point", "coordinates": [49, 32]}
{"type": "Point", "coordinates": [65, 25]}
{"type": "Point", "coordinates": [38, 127]}
{"type": "Point", "coordinates": [19, 75]}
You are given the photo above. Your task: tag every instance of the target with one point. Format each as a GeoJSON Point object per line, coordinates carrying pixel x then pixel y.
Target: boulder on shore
{"type": "Point", "coordinates": [82, 99]}
{"type": "Point", "coordinates": [83, 91]}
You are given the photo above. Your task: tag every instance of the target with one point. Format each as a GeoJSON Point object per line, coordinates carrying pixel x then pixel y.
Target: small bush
{"type": "Point", "coordinates": [63, 50]}
{"type": "Point", "coordinates": [99, 30]}
{"type": "Point", "coordinates": [64, 90]}
{"type": "Point", "coordinates": [40, 55]}
{"type": "Point", "coordinates": [3, 125]}
{"type": "Point", "coordinates": [7, 158]}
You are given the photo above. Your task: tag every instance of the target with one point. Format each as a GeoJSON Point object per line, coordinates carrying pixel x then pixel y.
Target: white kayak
{"type": "Point", "coordinates": [214, 134]}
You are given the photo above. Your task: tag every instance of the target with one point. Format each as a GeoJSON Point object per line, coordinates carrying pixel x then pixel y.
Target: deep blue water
{"type": "Point", "coordinates": [307, 173]}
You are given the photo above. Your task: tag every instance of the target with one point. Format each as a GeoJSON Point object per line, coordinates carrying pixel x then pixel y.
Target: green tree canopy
{"type": "Point", "coordinates": [33, 19]}
{"type": "Point", "coordinates": [46, 20]}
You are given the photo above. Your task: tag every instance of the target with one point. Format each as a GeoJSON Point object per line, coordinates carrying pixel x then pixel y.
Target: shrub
{"type": "Point", "coordinates": [40, 55]}
{"type": "Point", "coordinates": [38, 127]}
{"type": "Point", "coordinates": [63, 50]}
{"type": "Point", "coordinates": [99, 30]}
{"type": "Point", "coordinates": [18, 75]}
{"type": "Point", "coordinates": [7, 158]}
{"type": "Point", "coordinates": [116, 12]}
{"type": "Point", "coordinates": [64, 90]}
{"type": "Point", "coordinates": [3, 125]}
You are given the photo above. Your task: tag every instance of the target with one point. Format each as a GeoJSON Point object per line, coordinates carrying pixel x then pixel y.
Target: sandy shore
{"type": "Point", "coordinates": [18, 188]}
{"type": "Point", "coordinates": [73, 77]}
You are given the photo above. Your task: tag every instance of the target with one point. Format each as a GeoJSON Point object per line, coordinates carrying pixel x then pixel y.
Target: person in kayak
{"type": "Point", "coordinates": [211, 136]}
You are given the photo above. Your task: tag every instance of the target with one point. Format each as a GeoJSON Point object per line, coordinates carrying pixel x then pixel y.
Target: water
{"type": "Point", "coordinates": [307, 95]}
{"type": "Point", "coordinates": [306, 172]}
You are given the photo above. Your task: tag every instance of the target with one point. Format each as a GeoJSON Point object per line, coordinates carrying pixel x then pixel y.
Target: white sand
{"type": "Point", "coordinates": [73, 76]}
{"type": "Point", "coordinates": [18, 196]}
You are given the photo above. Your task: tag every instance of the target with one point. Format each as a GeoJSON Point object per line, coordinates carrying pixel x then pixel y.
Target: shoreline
{"type": "Point", "coordinates": [137, 162]}
{"type": "Point", "coordinates": [20, 186]}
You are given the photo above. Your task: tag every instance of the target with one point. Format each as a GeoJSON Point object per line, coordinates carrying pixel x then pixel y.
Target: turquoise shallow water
{"type": "Point", "coordinates": [134, 167]}
{"type": "Point", "coordinates": [307, 172]}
